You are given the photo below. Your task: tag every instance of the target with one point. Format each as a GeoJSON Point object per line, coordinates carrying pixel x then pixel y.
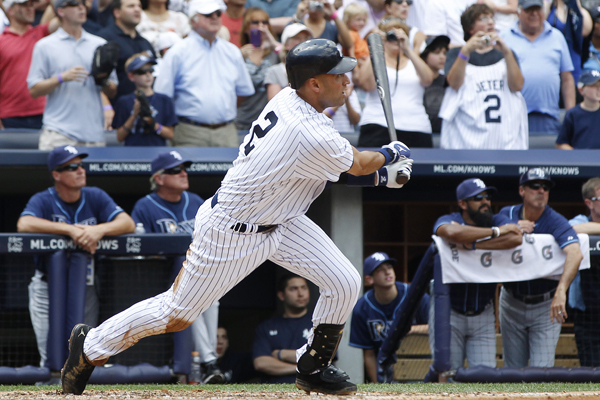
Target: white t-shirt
{"type": "Point", "coordinates": [340, 118]}
{"type": "Point", "coordinates": [503, 21]}
{"type": "Point", "coordinates": [443, 18]}
{"type": "Point", "coordinates": [3, 21]}
{"type": "Point", "coordinates": [177, 22]}
{"type": "Point", "coordinates": [407, 102]}
{"type": "Point", "coordinates": [417, 14]}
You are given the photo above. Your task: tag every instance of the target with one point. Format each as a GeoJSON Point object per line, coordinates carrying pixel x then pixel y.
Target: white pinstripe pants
{"type": "Point", "coordinates": [217, 260]}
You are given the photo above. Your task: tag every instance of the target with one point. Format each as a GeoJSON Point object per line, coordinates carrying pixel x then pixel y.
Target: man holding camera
{"type": "Point", "coordinates": [483, 107]}
{"type": "Point", "coordinates": [143, 118]}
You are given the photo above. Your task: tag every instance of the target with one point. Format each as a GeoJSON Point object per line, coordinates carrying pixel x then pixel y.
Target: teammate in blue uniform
{"type": "Point", "coordinates": [170, 208]}
{"type": "Point", "coordinates": [376, 310]}
{"type": "Point", "coordinates": [276, 339]}
{"type": "Point", "coordinates": [86, 214]}
{"type": "Point", "coordinates": [529, 309]}
{"type": "Point", "coordinates": [472, 317]}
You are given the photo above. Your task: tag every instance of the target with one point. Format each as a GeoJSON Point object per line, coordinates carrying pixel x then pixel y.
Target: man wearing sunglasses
{"type": "Point", "coordinates": [207, 78]}
{"type": "Point", "coordinates": [532, 312]}
{"type": "Point", "coordinates": [70, 208]}
{"type": "Point", "coordinates": [17, 108]}
{"type": "Point", "coordinates": [73, 114]}
{"type": "Point", "coordinates": [170, 208]}
{"type": "Point", "coordinates": [472, 313]}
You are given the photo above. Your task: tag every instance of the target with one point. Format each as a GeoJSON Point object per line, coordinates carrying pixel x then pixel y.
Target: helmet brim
{"type": "Point", "coordinates": [346, 64]}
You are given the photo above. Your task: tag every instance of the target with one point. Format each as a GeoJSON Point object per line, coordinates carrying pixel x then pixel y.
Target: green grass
{"type": "Point", "coordinates": [398, 388]}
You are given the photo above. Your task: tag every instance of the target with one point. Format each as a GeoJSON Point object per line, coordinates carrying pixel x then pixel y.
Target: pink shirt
{"type": "Point", "coordinates": [15, 59]}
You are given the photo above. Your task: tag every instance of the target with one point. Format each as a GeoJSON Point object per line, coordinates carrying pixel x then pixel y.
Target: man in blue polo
{"type": "Point", "coordinates": [532, 312]}
{"type": "Point", "coordinates": [207, 77]}
{"type": "Point", "coordinates": [546, 66]}
{"type": "Point", "coordinates": [170, 208]}
{"type": "Point", "coordinates": [70, 208]}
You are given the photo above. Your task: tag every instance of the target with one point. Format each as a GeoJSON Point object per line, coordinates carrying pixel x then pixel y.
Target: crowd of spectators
{"type": "Point", "coordinates": [506, 59]}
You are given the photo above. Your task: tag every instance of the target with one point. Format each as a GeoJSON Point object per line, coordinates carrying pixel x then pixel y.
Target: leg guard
{"type": "Point", "coordinates": [324, 345]}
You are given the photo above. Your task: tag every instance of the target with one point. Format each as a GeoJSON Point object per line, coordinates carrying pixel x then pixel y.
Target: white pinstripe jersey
{"type": "Point", "coordinates": [484, 113]}
{"type": "Point", "coordinates": [284, 162]}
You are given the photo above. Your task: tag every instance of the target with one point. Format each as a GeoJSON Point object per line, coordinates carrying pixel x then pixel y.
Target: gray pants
{"type": "Point", "coordinates": [204, 333]}
{"type": "Point", "coordinates": [527, 332]}
{"type": "Point", "coordinates": [192, 135]}
{"type": "Point", "coordinates": [472, 337]}
{"type": "Point", "coordinates": [38, 311]}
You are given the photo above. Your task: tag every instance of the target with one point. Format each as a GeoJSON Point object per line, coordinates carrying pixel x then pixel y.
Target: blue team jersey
{"type": "Point", "coordinates": [371, 320]}
{"type": "Point", "coordinates": [94, 207]}
{"type": "Point", "coordinates": [163, 112]}
{"type": "Point", "coordinates": [281, 333]}
{"type": "Point", "coordinates": [549, 222]}
{"type": "Point", "coordinates": [161, 216]}
{"type": "Point", "coordinates": [469, 297]}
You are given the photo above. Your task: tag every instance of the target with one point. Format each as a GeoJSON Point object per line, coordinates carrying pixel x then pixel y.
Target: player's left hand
{"type": "Point", "coordinates": [558, 309]}
{"type": "Point", "coordinates": [88, 239]}
{"type": "Point", "coordinates": [398, 150]}
{"type": "Point", "coordinates": [387, 175]}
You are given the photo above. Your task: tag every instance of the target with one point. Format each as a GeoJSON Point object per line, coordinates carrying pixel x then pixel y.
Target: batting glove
{"type": "Point", "coordinates": [387, 175]}
{"type": "Point", "coordinates": [394, 152]}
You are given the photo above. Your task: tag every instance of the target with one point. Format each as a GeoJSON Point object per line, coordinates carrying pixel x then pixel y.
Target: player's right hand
{"type": "Point", "coordinates": [387, 175]}
{"type": "Point", "coordinates": [398, 150]}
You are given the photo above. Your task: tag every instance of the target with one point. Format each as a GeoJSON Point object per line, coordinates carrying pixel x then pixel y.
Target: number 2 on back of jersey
{"type": "Point", "coordinates": [493, 107]}
{"type": "Point", "coordinates": [260, 132]}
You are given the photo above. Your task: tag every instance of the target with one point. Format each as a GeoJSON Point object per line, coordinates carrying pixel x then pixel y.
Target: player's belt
{"type": "Point", "coordinates": [533, 299]}
{"type": "Point", "coordinates": [469, 313]}
{"type": "Point", "coordinates": [209, 126]}
{"type": "Point", "coordinates": [241, 227]}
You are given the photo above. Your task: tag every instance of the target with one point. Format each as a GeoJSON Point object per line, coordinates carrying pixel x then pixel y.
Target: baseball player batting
{"type": "Point", "coordinates": [257, 214]}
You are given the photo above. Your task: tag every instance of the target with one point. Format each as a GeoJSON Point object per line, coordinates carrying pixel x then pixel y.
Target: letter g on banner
{"type": "Point", "coordinates": [516, 257]}
{"type": "Point", "coordinates": [486, 259]}
{"type": "Point", "coordinates": [547, 252]}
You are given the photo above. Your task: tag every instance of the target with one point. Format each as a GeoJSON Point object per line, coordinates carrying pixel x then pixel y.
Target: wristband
{"type": "Point", "coordinates": [334, 15]}
{"type": "Point", "coordinates": [474, 243]}
{"type": "Point", "coordinates": [495, 232]}
{"type": "Point", "coordinates": [107, 107]}
{"type": "Point", "coordinates": [278, 48]}
{"type": "Point", "coordinates": [279, 355]}
{"type": "Point", "coordinates": [388, 154]}
{"type": "Point", "coordinates": [159, 130]}
{"type": "Point", "coordinates": [461, 55]}
{"type": "Point", "coordinates": [381, 177]}
{"type": "Point", "coordinates": [60, 79]}
{"type": "Point", "coordinates": [126, 128]}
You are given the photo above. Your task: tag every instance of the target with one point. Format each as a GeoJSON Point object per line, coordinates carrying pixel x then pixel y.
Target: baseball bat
{"type": "Point", "coordinates": [383, 88]}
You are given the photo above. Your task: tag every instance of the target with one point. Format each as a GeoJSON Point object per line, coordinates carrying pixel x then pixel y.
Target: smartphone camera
{"type": "Point", "coordinates": [391, 36]}
{"type": "Point", "coordinates": [255, 37]}
{"type": "Point", "coordinates": [315, 6]}
{"type": "Point", "coordinates": [486, 40]}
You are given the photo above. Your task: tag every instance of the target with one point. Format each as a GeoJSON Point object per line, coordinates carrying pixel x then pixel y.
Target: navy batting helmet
{"type": "Point", "coordinates": [315, 57]}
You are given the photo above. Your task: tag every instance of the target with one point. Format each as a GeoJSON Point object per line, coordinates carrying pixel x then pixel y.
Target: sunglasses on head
{"type": "Point", "coordinates": [218, 12]}
{"type": "Point", "coordinates": [408, 2]}
{"type": "Point", "coordinates": [537, 185]}
{"type": "Point", "coordinates": [256, 22]}
{"type": "Point", "coordinates": [74, 3]}
{"type": "Point", "coordinates": [69, 167]}
{"type": "Point", "coordinates": [175, 170]}
{"type": "Point", "coordinates": [143, 71]}
{"type": "Point", "coordinates": [480, 196]}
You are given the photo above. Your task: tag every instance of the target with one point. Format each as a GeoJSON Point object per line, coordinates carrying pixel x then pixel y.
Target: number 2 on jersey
{"type": "Point", "coordinates": [496, 107]}
{"type": "Point", "coordinates": [260, 132]}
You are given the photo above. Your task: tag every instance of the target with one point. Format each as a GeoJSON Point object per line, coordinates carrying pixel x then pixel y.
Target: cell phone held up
{"type": "Point", "coordinates": [255, 37]}
{"type": "Point", "coordinates": [315, 5]}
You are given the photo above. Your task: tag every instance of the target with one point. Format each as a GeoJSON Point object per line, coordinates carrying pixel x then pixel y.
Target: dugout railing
{"type": "Point", "coordinates": [66, 277]}
{"type": "Point", "coordinates": [440, 369]}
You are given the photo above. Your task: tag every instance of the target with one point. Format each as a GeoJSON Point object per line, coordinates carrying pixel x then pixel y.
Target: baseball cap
{"type": "Point", "coordinates": [139, 62]}
{"type": "Point", "coordinates": [8, 3]}
{"type": "Point", "coordinates": [62, 154]}
{"type": "Point", "coordinates": [588, 77]}
{"type": "Point", "coordinates": [375, 260]}
{"type": "Point", "coordinates": [168, 159]}
{"type": "Point", "coordinates": [166, 40]}
{"type": "Point", "coordinates": [535, 174]}
{"type": "Point", "coordinates": [205, 7]}
{"type": "Point", "coordinates": [471, 187]}
{"type": "Point", "coordinates": [525, 4]}
{"type": "Point", "coordinates": [434, 43]}
{"type": "Point", "coordinates": [292, 30]}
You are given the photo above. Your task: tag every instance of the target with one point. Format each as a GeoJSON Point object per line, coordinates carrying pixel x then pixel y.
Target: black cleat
{"type": "Point", "coordinates": [211, 374]}
{"type": "Point", "coordinates": [77, 370]}
{"type": "Point", "coordinates": [329, 381]}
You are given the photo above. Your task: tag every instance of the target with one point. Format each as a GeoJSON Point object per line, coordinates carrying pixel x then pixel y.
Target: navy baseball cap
{"type": "Point", "coordinates": [139, 62]}
{"type": "Point", "coordinates": [168, 160]}
{"type": "Point", "coordinates": [471, 187]}
{"type": "Point", "coordinates": [535, 174]}
{"type": "Point", "coordinates": [375, 260]}
{"type": "Point", "coordinates": [588, 77]}
{"type": "Point", "coordinates": [525, 4]}
{"type": "Point", "coordinates": [62, 154]}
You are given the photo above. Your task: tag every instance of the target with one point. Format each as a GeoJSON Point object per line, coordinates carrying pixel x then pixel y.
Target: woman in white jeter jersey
{"type": "Point", "coordinates": [408, 77]}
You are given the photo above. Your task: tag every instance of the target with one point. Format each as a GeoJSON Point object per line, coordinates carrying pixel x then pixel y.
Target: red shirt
{"type": "Point", "coordinates": [235, 28]}
{"type": "Point", "coordinates": [15, 59]}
